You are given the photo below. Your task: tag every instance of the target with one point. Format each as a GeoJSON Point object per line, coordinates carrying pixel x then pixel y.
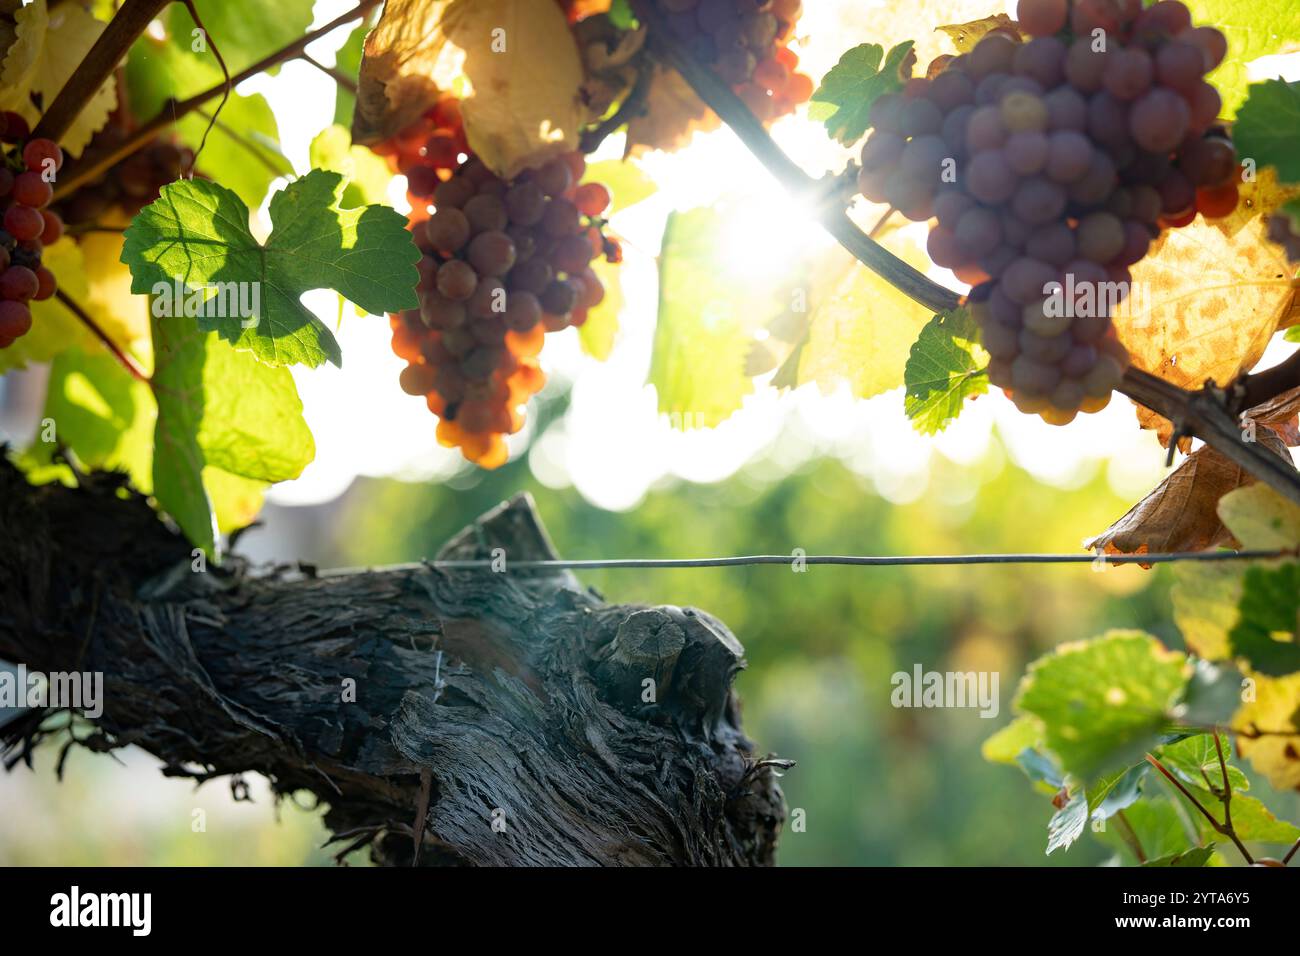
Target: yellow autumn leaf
{"type": "Point", "coordinates": [1272, 715]}
{"type": "Point", "coordinates": [48, 46]}
{"type": "Point", "coordinates": [513, 62]}
{"type": "Point", "coordinates": [861, 328]}
{"type": "Point", "coordinates": [1204, 305]}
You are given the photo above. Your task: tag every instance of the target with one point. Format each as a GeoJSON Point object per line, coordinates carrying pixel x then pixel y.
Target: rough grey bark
{"type": "Point", "coordinates": [501, 714]}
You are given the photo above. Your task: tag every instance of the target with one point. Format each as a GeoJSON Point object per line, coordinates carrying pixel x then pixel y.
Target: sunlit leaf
{"type": "Point", "coordinates": [945, 367]}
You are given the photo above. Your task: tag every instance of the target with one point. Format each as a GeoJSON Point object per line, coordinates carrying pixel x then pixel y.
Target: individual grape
{"type": "Point", "coordinates": [951, 89]}
{"type": "Point", "coordinates": [1042, 18]}
{"type": "Point", "coordinates": [1101, 237]}
{"type": "Point", "coordinates": [523, 311]}
{"type": "Point", "coordinates": [1069, 156]}
{"type": "Point", "coordinates": [949, 206]}
{"type": "Point", "coordinates": [1179, 65]}
{"type": "Point", "coordinates": [23, 222]}
{"type": "Point", "coordinates": [453, 193]}
{"type": "Point", "coordinates": [989, 178]}
{"type": "Point", "coordinates": [1053, 243]}
{"type": "Point", "coordinates": [1128, 74]}
{"type": "Point", "coordinates": [1208, 161]}
{"type": "Point", "coordinates": [1038, 201]}
{"type": "Point", "coordinates": [1212, 44]}
{"type": "Point", "coordinates": [1033, 378]}
{"type": "Point", "coordinates": [592, 199]}
{"type": "Point", "coordinates": [1023, 112]}
{"type": "Point", "coordinates": [1097, 182]}
{"type": "Point", "coordinates": [882, 150]}
{"type": "Point", "coordinates": [1024, 280]}
{"type": "Point", "coordinates": [923, 159]}
{"type": "Point", "coordinates": [1050, 349]}
{"type": "Point", "coordinates": [53, 230]}
{"type": "Point", "coordinates": [560, 219]}
{"type": "Point", "coordinates": [533, 276]}
{"type": "Point", "coordinates": [1085, 67]}
{"type": "Point", "coordinates": [13, 127]}
{"type": "Point", "coordinates": [1215, 202]}
{"type": "Point", "coordinates": [491, 253]}
{"type": "Point", "coordinates": [40, 155]}
{"type": "Point", "coordinates": [439, 312]}
{"type": "Point", "coordinates": [920, 117]}
{"type": "Point", "coordinates": [954, 128]}
{"type": "Point", "coordinates": [18, 283]}
{"type": "Point", "coordinates": [978, 232]}
{"type": "Point", "coordinates": [1159, 120]}
{"type": "Point", "coordinates": [457, 279]}
{"type": "Point", "coordinates": [1107, 119]}
{"type": "Point", "coordinates": [448, 230]}
{"type": "Point", "coordinates": [15, 320]}
{"type": "Point", "coordinates": [571, 254]}
{"type": "Point", "coordinates": [1066, 109]}
{"type": "Point", "coordinates": [1205, 105]}
{"type": "Point", "coordinates": [993, 54]}
{"type": "Point", "coordinates": [1146, 203]}
{"type": "Point", "coordinates": [985, 129]}
{"type": "Point", "coordinates": [1177, 194]}
{"type": "Point", "coordinates": [416, 379]}
{"type": "Point", "coordinates": [1042, 60]}
{"type": "Point", "coordinates": [1026, 153]}
{"type": "Point", "coordinates": [1137, 242]}
{"type": "Point", "coordinates": [486, 213]}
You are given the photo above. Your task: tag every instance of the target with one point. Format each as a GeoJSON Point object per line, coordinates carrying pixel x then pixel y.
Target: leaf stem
{"type": "Point", "coordinates": [92, 166]}
{"type": "Point", "coordinates": [225, 72]}
{"type": "Point", "coordinates": [1224, 829]}
{"type": "Point", "coordinates": [123, 359]}
{"type": "Point", "coordinates": [1129, 836]}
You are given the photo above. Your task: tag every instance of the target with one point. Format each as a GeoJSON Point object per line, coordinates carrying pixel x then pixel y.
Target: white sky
{"type": "Point", "coordinates": [612, 445]}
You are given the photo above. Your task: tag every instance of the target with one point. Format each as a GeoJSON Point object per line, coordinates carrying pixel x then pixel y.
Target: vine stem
{"type": "Point", "coordinates": [126, 26]}
{"type": "Point", "coordinates": [92, 166]}
{"type": "Point", "coordinates": [225, 72]}
{"type": "Point", "coordinates": [1204, 414]}
{"type": "Point", "coordinates": [123, 359]}
{"type": "Point", "coordinates": [1226, 828]}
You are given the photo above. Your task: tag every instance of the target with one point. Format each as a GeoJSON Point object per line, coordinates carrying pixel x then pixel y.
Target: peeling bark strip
{"type": "Point", "coordinates": [519, 697]}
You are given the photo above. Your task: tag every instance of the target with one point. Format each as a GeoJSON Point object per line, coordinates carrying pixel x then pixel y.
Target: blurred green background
{"type": "Point", "coordinates": [878, 785]}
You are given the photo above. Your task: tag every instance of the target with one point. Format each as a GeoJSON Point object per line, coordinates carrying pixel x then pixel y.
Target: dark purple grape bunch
{"type": "Point", "coordinates": [26, 225]}
{"type": "Point", "coordinates": [1051, 166]}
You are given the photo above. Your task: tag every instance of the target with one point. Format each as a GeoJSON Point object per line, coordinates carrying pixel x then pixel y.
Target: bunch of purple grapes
{"type": "Point", "coordinates": [26, 226]}
{"type": "Point", "coordinates": [130, 185]}
{"type": "Point", "coordinates": [1051, 166]}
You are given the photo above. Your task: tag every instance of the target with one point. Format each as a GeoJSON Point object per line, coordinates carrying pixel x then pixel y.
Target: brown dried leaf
{"type": "Point", "coordinates": [673, 114]}
{"type": "Point", "coordinates": [1179, 514]}
{"type": "Point", "coordinates": [1205, 305]}
{"type": "Point", "coordinates": [514, 64]}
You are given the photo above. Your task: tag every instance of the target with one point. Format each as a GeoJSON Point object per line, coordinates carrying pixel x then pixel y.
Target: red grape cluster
{"type": "Point", "coordinates": [1051, 166]}
{"type": "Point", "coordinates": [504, 263]}
{"type": "Point", "coordinates": [745, 42]}
{"type": "Point", "coordinates": [26, 226]}
{"type": "Point", "coordinates": [129, 186]}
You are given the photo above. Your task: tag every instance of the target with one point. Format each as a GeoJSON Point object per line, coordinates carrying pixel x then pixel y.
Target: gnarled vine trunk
{"type": "Point", "coordinates": [497, 718]}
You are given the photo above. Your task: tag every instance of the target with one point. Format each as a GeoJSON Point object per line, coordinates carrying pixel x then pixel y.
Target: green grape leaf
{"type": "Point", "coordinates": [1197, 856]}
{"type": "Point", "coordinates": [1259, 28]}
{"type": "Point", "coordinates": [100, 413]}
{"type": "Point", "coordinates": [705, 324]}
{"type": "Point", "coordinates": [1194, 760]}
{"type": "Point", "coordinates": [367, 175]}
{"type": "Point", "coordinates": [1267, 632]}
{"type": "Point", "coordinates": [1005, 745]}
{"type": "Point", "coordinates": [196, 233]}
{"type": "Point", "coordinates": [1251, 819]}
{"type": "Point", "coordinates": [347, 61]}
{"type": "Point", "coordinates": [1067, 824]}
{"type": "Point", "coordinates": [245, 32]}
{"type": "Point", "coordinates": [219, 409]}
{"type": "Point", "coordinates": [1040, 769]}
{"type": "Point", "coordinates": [1268, 128]}
{"type": "Point", "coordinates": [243, 146]}
{"type": "Point", "coordinates": [843, 101]}
{"type": "Point", "coordinates": [946, 366]}
{"type": "Point", "coordinates": [1117, 791]}
{"type": "Point", "coordinates": [1158, 826]}
{"type": "Point", "coordinates": [1104, 702]}
{"type": "Point", "coordinates": [597, 334]}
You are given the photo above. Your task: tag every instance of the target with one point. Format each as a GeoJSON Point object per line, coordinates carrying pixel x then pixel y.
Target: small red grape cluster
{"type": "Point", "coordinates": [745, 43]}
{"type": "Point", "coordinates": [504, 263]}
{"type": "Point", "coordinates": [1053, 164]}
{"type": "Point", "coordinates": [26, 226]}
{"type": "Point", "coordinates": [130, 185]}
